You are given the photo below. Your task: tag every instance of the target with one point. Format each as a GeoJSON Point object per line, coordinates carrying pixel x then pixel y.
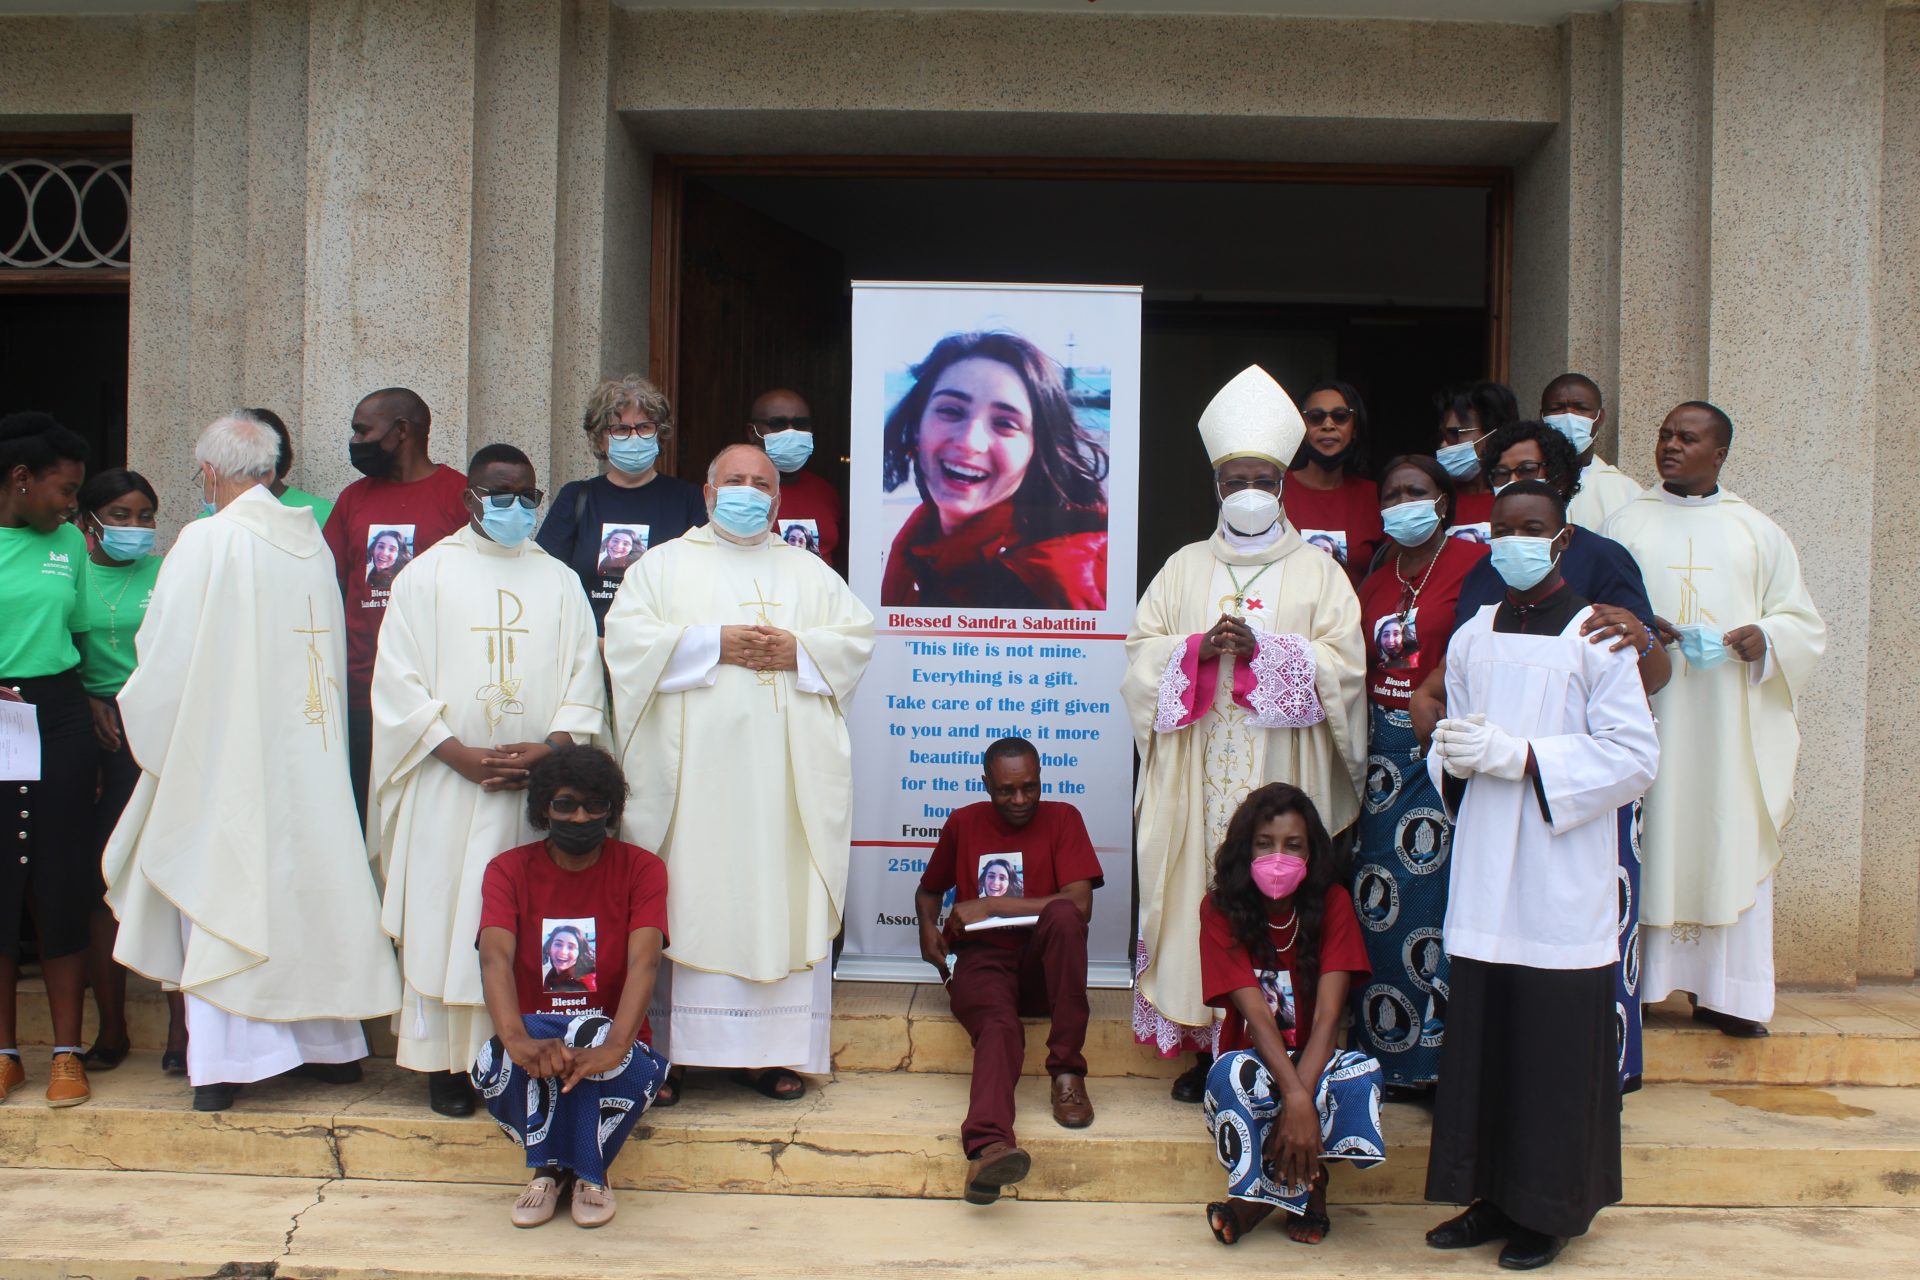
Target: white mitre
{"type": "Point", "coordinates": [1252, 417]}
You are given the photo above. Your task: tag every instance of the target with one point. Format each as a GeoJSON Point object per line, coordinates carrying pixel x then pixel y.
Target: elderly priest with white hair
{"type": "Point", "coordinates": [238, 870]}
{"type": "Point", "coordinates": [733, 656]}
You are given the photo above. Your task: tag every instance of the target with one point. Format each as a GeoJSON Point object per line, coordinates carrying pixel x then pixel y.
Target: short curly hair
{"type": "Point", "coordinates": [588, 770]}
{"type": "Point", "coordinates": [616, 395]}
{"type": "Point", "coordinates": [1563, 463]}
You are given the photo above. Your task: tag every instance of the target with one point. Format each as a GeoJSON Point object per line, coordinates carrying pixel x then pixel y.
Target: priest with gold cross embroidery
{"type": "Point", "coordinates": [1245, 666]}
{"type": "Point", "coordinates": [488, 660]}
{"type": "Point", "coordinates": [238, 870]}
{"type": "Point", "coordinates": [733, 656]}
{"type": "Point", "coordinates": [1726, 588]}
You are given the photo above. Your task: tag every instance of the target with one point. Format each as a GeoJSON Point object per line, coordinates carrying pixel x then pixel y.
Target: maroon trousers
{"type": "Point", "coordinates": [992, 987]}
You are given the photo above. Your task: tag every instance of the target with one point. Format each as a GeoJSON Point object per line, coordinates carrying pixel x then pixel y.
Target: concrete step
{"type": "Point", "coordinates": [1870, 1036]}
{"type": "Point", "coordinates": [896, 1134]}
{"type": "Point", "coordinates": [149, 1226]}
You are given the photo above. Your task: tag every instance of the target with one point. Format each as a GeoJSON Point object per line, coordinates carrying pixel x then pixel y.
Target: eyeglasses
{"type": "Point", "coordinates": [567, 806]}
{"type": "Point", "coordinates": [783, 424]}
{"type": "Point", "coordinates": [1525, 471]}
{"type": "Point", "coordinates": [528, 498]}
{"type": "Point", "coordinates": [1266, 484]}
{"type": "Point", "coordinates": [1316, 417]}
{"type": "Point", "coordinates": [645, 430]}
{"type": "Point", "coordinates": [1460, 435]}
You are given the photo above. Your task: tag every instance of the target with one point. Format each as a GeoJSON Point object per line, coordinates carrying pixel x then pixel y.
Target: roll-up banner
{"type": "Point", "coordinates": [995, 468]}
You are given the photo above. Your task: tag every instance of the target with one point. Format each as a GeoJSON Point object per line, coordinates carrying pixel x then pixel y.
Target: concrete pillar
{"type": "Point", "coordinates": [1793, 289]}
{"type": "Point", "coordinates": [276, 223]}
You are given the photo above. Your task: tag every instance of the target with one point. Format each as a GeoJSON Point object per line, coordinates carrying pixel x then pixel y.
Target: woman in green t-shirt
{"type": "Point", "coordinates": [49, 860]}
{"type": "Point", "coordinates": [117, 514]}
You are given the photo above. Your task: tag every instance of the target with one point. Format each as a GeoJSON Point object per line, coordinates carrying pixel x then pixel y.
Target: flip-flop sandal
{"type": "Point", "coordinates": [668, 1094]}
{"type": "Point", "coordinates": [1309, 1228]}
{"type": "Point", "coordinates": [1224, 1221]}
{"type": "Point", "coordinates": [767, 1084]}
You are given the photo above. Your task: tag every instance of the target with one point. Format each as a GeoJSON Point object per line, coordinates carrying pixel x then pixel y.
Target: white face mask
{"type": "Point", "coordinates": [1250, 511]}
{"type": "Point", "coordinates": [1577, 429]}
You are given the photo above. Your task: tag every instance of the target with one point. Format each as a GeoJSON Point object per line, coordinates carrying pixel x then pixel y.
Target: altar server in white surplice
{"type": "Point", "coordinates": [238, 870]}
{"type": "Point", "coordinates": [1245, 666]}
{"type": "Point", "coordinates": [1725, 584]}
{"type": "Point", "coordinates": [488, 659]}
{"type": "Point", "coordinates": [733, 656]}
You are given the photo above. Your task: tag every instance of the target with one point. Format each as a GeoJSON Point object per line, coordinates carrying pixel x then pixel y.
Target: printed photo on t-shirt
{"type": "Point", "coordinates": [1397, 640]}
{"type": "Point", "coordinates": [1481, 532]}
{"type": "Point", "coordinates": [804, 534]}
{"type": "Point", "coordinates": [1002, 875]}
{"type": "Point", "coordinates": [1331, 541]}
{"type": "Point", "coordinates": [389, 548]}
{"type": "Point", "coordinates": [1277, 986]}
{"type": "Point", "coordinates": [620, 546]}
{"type": "Point", "coordinates": [567, 962]}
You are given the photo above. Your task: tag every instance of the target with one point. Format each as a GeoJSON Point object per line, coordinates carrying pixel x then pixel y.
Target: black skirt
{"type": "Point", "coordinates": [1527, 1113]}
{"type": "Point", "coordinates": [48, 857]}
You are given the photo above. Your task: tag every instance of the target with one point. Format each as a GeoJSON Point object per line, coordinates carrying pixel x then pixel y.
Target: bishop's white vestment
{"type": "Point", "coordinates": [1730, 738]}
{"type": "Point", "coordinates": [488, 645]}
{"type": "Point", "coordinates": [742, 783]}
{"type": "Point", "coordinates": [1209, 733]}
{"type": "Point", "coordinates": [238, 870]}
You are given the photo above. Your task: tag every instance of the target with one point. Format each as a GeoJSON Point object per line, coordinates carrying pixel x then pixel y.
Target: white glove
{"type": "Point", "coordinates": [1479, 747]}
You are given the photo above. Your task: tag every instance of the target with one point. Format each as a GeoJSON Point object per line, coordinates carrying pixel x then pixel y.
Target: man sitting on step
{"type": "Point", "coordinates": [1023, 874]}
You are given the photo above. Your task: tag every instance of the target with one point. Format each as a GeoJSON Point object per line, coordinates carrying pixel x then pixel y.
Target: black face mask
{"type": "Point", "coordinates": [577, 838]}
{"type": "Point", "coordinates": [369, 459]}
{"type": "Point", "coordinates": [1331, 461]}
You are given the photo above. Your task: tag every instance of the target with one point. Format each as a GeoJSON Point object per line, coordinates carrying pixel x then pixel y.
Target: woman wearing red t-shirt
{"type": "Point", "coordinates": [571, 931]}
{"type": "Point", "coordinates": [1407, 615]}
{"type": "Point", "coordinates": [1326, 494]}
{"type": "Point", "coordinates": [1279, 949]}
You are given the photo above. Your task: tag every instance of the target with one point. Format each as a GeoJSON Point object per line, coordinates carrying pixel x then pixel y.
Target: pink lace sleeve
{"type": "Point", "coordinates": [1277, 686]}
{"type": "Point", "coordinates": [1178, 704]}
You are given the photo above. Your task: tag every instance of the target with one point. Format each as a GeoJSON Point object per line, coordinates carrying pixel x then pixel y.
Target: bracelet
{"type": "Point", "coordinates": [1651, 639]}
{"type": "Point", "coordinates": [552, 745]}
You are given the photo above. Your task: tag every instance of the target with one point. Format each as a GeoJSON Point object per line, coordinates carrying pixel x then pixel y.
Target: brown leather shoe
{"type": "Point", "coordinates": [1072, 1109]}
{"type": "Point", "coordinates": [67, 1082]}
{"type": "Point", "coordinates": [12, 1075]}
{"type": "Point", "coordinates": [997, 1165]}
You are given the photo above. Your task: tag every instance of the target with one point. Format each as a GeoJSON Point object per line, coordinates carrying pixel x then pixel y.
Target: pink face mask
{"type": "Point", "coordinates": [1278, 874]}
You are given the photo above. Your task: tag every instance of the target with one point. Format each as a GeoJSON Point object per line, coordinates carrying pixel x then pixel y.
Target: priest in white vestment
{"type": "Point", "coordinates": [733, 656]}
{"type": "Point", "coordinates": [488, 659]}
{"type": "Point", "coordinates": [1726, 586]}
{"type": "Point", "coordinates": [1245, 666]}
{"type": "Point", "coordinates": [238, 870]}
{"type": "Point", "coordinates": [1572, 405]}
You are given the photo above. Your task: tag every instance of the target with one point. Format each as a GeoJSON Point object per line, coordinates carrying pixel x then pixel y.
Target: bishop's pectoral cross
{"type": "Point", "coordinates": [316, 708]}
{"type": "Point", "coordinates": [760, 604]}
{"type": "Point", "coordinates": [501, 694]}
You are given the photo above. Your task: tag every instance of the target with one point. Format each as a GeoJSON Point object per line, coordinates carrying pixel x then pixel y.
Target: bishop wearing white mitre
{"type": "Point", "coordinates": [733, 656]}
{"type": "Point", "coordinates": [238, 870]}
{"type": "Point", "coordinates": [488, 659]}
{"type": "Point", "coordinates": [1245, 666]}
{"type": "Point", "coordinates": [1726, 588]}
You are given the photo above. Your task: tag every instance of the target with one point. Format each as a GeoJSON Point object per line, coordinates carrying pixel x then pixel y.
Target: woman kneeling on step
{"type": "Point", "coordinates": [1279, 948]}
{"type": "Point", "coordinates": [570, 1068]}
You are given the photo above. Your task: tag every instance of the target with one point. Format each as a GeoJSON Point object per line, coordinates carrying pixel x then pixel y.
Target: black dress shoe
{"type": "Point", "coordinates": [1481, 1222]}
{"type": "Point", "coordinates": [100, 1058]}
{"type": "Point", "coordinates": [174, 1062]}
{"type": "Point", "coordinates": [214, 1097]}
{"type": "Point", "coordinates": [1728, 1025]}
{"type": "Point", "coordinates": [1191, 1085]}
{"type": "Point", "coordinates": [1530, 1250]}
{"type": "Point", "coordinates": [450, 1095]}
{"type": "Point", "coordinates": [330, 1072]}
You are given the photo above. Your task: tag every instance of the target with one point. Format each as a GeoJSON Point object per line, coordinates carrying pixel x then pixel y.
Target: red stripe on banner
{"type": "Point", "coordinates": [1017, 635]}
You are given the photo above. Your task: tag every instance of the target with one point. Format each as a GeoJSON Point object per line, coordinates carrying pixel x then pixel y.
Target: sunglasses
{"type": "Point", "coordinates": [1315, 417]}
{"type": "Point", "coordinates": [528, 498]}
{"type": "Point", "coordinates": [783, 424]}
{"type": "Point", "coordinates": [567, 806]}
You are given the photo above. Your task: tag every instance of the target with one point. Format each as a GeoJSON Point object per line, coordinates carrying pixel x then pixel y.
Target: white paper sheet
{"type": "Point", "coordinates": [19, 742]}
{"type": "Point", "coordinates": [1002, 922]}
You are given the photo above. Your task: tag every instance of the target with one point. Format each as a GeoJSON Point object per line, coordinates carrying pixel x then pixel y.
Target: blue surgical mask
{"type": "Point", "coordinates": [742, 510]}
{"type": "Point", "coordinates": [1522, 562]}
{"type": "Point", "coordinates": [510, 525]}
{"type": "Point", "coordinates": [634, 454]}
{"type": "Point", "coordinates": [1411, 523]}
{"type": "Point", "coordinates": [1460, 460]}
{"type": "Point", "coordinates": [789, 449]}
{"type": "Point", "coordinates": [1577, 430]}
{"type": "Point", "coordinates": [207, 509]}
{"type": "Point", "coordinates": [1702, 647]}
{"type": "Point", "coordinates": [126, 542]}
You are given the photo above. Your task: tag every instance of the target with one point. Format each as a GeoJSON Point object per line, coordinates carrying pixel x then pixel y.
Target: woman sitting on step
{"type": "Point", "coordinates": [570, 1068]}
{"type": "Point", "coordinates": [1279, 948]}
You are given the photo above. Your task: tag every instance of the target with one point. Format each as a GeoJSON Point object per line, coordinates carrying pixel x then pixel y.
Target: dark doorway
{"type": "Point", "coordinates": [66, 353]}
{"type": "Point", "coordinates": [1392, 280]}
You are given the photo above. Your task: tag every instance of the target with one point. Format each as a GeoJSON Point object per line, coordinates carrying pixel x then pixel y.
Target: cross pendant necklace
{"type": "Point", "coordinates": [1240, 588]}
